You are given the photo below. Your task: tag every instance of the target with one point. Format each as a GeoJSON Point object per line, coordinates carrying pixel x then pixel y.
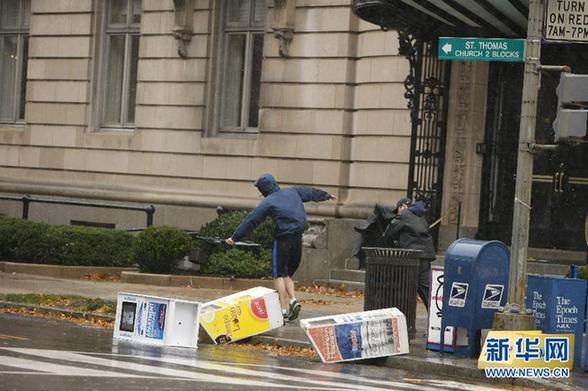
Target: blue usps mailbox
{"type": "Point", "coordinates": [558, 304]}
{"type": "Point", "coordinates": [475, 286]}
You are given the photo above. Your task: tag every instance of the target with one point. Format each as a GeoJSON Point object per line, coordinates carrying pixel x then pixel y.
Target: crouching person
{"type": "Point", "coordinates": [286, 209]}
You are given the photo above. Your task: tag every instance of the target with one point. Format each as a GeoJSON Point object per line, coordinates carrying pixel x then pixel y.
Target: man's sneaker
{"type": "Point", "coordinates": [294, 310]}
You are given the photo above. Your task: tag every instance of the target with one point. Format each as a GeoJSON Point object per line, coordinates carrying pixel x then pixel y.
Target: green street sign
{"type": "Point", "coordinates": [481, 49]}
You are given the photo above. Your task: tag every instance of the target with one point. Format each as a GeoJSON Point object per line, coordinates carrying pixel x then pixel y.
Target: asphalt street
{"type": "Point", "coordinates": [41, 354]}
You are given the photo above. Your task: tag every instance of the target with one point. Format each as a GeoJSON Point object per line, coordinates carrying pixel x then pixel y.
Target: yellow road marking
{"type": "Point", "coordinates": [4, 336]}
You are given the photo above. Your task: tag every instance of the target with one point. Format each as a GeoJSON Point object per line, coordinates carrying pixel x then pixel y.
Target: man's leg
{"type": "Point", "coordinates": [423, 287]}
{"type": "Point", "coordinates": [280, 285]}
{"type": "Point", "coordinates": [294, 256]}
{"type": "Point", "coordinates": [279, 269]}
{"type": "Point", "coordinates": [289, 283]}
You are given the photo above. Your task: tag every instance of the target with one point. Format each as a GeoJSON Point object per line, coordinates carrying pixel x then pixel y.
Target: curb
{"type": "Point", "coordinates": [406, 363]}
{"type": "Point", "coordinates": [237, 284]}
{"type": "Point", "coordinates": [132, 276]}
{"type": "Point", "coordinates": [60, 271]}
{"type": "Point", "coordinates": [59, 311]}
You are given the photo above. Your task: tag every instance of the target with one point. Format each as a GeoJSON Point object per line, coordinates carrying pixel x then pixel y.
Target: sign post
{"type": "Point", "coordinates": [516, 316]}
{"type": "Point", "coordinates": [481, 49]}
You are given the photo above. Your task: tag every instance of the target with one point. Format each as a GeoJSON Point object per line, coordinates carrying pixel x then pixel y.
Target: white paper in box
{"type": "Point", "coordinates": [359, 335]}
{"type": "Point", "coordinates": [435, 315]}
{"type": "Point", "coordinates": [156, 320]}
{"type": "Point", "coordinates": [241, 315]}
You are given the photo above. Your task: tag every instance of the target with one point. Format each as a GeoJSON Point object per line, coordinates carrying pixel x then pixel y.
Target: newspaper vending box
{"type": "Point", "coordinates": [156, 320]}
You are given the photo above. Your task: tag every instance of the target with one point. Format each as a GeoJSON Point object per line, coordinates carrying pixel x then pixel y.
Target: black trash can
{"type": "Point", "coordinates": [391, 280]}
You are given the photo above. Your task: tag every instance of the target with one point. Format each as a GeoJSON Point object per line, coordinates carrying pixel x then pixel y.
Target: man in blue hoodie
{"type": "Point", "coordinates": [286, 209]}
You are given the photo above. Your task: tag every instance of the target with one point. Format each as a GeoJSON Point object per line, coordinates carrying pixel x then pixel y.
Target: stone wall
{"type": "Point", "coordinates": [332, 115]}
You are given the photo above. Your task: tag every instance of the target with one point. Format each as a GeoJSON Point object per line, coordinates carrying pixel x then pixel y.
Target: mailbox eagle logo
{"type": "Point", "coordinates": [459, 294]}
{"type": "Point", "coordinates": [492, 296]}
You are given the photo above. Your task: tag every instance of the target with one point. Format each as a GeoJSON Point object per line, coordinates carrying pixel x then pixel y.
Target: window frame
{"type": "Point", "coordinates": [223, 30]}
{"type": "Point", "coordinates": [22, 33]}
{"type": "Point", "coordinates": [128, 30]}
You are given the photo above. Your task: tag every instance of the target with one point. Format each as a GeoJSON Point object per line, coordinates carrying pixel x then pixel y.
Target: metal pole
{"type": "Point", "coordinates": [150, 211]}
{"type": "Point", "coordinates": [458, 220]}
{"type": "Point", "coordinates": [515, 315]}
{"type": "Point", "coordinates": [26, 200]}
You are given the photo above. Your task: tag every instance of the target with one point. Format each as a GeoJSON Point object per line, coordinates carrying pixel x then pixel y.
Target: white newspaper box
{"type": "Point", "coordinates": [435, 315]}
{"type": "Point", "coordinates": [156, 320]}
{"type": "Point", "coordinates": [241, 315]}
{"type": "Point", "coordinates": [359, 335]}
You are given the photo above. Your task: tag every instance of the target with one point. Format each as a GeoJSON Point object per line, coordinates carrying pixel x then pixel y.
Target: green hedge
{"type": "Point", "coordinates": [27, 241]}
{"type": "Point", "coordinates": [239, 263]}
{"type": "Point", "coordinates": [235, 262]}
{"type": "Point", "coordinates": [158, 248]}
{"type": "Point", "coordinates": [224, 226]}
{"type": "Point", "coordinates": [583, 272]}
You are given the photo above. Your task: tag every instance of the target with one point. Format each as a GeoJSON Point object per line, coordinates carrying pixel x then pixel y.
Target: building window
{"type": "Point", "coordinates": [14, 52]}
{"type": "Point", "coordinates": [123, 19]}
{"type": "Point", "coordinates": [242, 54]}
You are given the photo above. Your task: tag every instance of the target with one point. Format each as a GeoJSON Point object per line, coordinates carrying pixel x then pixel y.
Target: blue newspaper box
{"type": "Point", "coordinates": [475, 286]}
{"type": "Point", "coordinates": [558, 305]}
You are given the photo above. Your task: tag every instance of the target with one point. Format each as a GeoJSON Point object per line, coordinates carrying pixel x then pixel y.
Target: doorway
{"type": "Point", "coordinates": [560, 178]}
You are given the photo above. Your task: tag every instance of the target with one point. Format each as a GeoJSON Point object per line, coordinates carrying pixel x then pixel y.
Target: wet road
{"type": "Point", "coordinates": [40, 354]}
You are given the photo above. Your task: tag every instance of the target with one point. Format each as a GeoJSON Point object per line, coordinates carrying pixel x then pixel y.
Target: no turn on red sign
{"type": "Point", "coordinates": [566, 20]}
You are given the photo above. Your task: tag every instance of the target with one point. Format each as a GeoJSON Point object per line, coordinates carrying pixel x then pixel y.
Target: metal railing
{"type": "Point", "coordinates": [27, 200]}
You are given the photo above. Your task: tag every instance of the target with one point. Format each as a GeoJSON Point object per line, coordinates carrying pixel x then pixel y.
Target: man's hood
{"type": "Point", "coordinates": [267, 184]}
{"type": "Point", "coordinates": [418, 208]}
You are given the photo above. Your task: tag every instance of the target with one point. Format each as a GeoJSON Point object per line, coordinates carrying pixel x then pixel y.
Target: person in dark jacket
{"type": "Point", "coordinates": [286, 209]}
{"type": "Point", "coordinates": [411, 230]}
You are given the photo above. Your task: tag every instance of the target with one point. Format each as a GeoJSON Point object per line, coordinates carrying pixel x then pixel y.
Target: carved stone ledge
{"type": "Point", "coordinates": [285, 36]}
{"type": "Point", "coordinates": [184, 12]}
{"type": "Point", "coordinates": [283, 24]}
{"type": "Point", "coordinates": [315, 235]}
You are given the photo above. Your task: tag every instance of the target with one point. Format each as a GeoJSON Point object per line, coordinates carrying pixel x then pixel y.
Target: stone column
{"type": "Point", "coordinates": [463, 166]}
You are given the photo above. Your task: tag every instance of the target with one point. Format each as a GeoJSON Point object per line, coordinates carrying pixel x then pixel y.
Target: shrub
{"type": "Point", "coordinates": [224, 226]}
{"type": "Point", "coordinates": [19, 239]}
{"type": "Point", "coordinates": [583, 272]}
{"type": "Point", "coordinates": [239, 263]}
{"type": "Point", "coordinates": [87, 246]}
{"type": "Point", "coordinates": [157, 249]}
{"type": "Point", "coordinates": [22, 240]}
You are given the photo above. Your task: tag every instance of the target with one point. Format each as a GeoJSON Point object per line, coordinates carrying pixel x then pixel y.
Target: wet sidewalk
{"type": "Point", "coordinates": [314, 305]}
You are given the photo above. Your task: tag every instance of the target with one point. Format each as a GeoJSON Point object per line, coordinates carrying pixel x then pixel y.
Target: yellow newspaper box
{"type": "Point", "coordinates": [241, 315]}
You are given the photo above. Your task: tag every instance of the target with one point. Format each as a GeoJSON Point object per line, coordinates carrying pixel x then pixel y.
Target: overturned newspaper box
{"type": "Point", "coordinates": [359, 335]}
{"type": "Point", "coordinates": [241, 315]}
{"type": "Point", "coordinates": [156, 320]}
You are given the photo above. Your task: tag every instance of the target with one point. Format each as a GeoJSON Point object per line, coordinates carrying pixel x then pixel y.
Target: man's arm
{"type": "Point", "coordinates": [253, 219]}
{"type": "Point", "coordinates": [313, 194]}
{"type": "Point", "coordinates": [393, 229]}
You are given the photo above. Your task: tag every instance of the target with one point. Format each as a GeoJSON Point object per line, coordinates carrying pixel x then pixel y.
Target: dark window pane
{"type": "Point", "coordinates": [23, 79]}
{"type": "Point", "coordinates": [259, 12]}
{"type": "Point", "coordinates": [118, 12]}
{"type": "Point", "coordinates": [27, 14]}
{"type": "Point", "coordinates": [255, 80]}
{"type": "Point", "coordinates": [136, 12]}
{"type": "Point", "coordinates": [114, 79]}
{"type": "Point", "coordinates": [8, 67]}
{"type": "Point", "coordinates": [238, 12]}
{"type": "Point", "coordinates": [134, 61]}
{"type": "Point", "coordinates": [233, 80]}
{"type": "Point", "coordinates": [9, 13]}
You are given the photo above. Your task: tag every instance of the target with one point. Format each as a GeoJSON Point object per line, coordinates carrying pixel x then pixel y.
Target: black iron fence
{"type": "Point", "coordinates": [27, 200]}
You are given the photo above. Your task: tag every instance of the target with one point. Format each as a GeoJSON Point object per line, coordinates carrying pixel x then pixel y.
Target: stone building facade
{"type": "Point", "coordinates": [330, 111]}
{"type": "Point", "coordinates": [184, 103]}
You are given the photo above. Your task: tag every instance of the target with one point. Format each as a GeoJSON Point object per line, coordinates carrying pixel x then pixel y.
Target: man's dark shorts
{"type": "Point", "coordinates": [286, 255]}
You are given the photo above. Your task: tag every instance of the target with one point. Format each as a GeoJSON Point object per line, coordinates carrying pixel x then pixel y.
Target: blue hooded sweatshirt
{"type": "Point", "coordinates": [285, 207]}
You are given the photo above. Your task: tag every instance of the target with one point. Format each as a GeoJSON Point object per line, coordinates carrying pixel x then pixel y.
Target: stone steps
{"type": "Point", "coordinates": [353, 279]}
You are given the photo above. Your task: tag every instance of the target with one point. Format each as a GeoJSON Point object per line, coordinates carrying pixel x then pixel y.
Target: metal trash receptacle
{"type": "Point", "coordinates": [391, 280]}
